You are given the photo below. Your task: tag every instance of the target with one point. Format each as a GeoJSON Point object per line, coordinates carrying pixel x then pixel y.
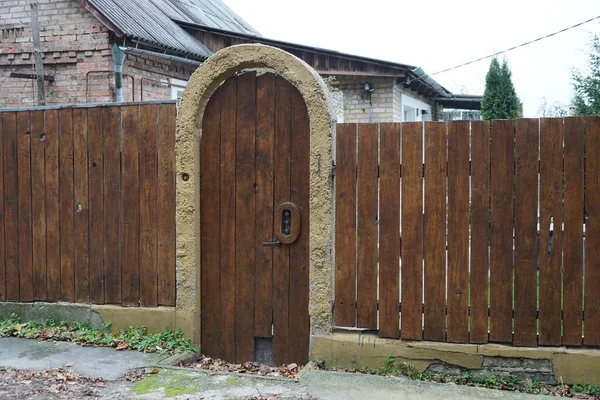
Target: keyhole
{"type": "Point", "coordinates": [287, 222]}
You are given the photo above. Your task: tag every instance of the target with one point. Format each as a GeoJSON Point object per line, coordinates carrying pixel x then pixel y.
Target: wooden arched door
{"type": "Point", "coordinates": [254, 186]}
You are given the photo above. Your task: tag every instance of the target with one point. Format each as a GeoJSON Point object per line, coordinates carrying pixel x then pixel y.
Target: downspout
{"type": "Point", "coordinates": [119, 57]}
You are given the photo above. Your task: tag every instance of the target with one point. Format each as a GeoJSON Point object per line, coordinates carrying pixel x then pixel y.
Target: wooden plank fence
{"type": "Point", "coordinates": [470, 232]}
{"type": "Point", "coordinates": [87, 210]}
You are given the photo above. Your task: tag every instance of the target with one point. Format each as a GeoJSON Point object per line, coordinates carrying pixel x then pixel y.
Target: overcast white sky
{"type": "Point", "coordinates": [438, 34]}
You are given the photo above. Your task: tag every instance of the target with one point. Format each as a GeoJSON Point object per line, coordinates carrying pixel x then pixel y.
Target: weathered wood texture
{"type": "Point", "coordinates": [78, 220]}
{"type": "Point", "coordinates": [493, 225]}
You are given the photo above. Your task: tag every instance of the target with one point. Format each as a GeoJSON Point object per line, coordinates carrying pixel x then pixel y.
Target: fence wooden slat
{"type": "Point", "coordinates": [551, 191]}
{"type": "Point", "coordinates": [434, 238]}
{"type": "Point", "coordinates": [111, 121]}
{"type": "Point", "coordinates": [25, 268]}
{"type": "Point", "coordinates": [573, 234]}
{"type": "Point", "coordinates": [96, 206]}
{"type": "Point", "coordinates": [299, 325]}
{"type": "Point", "coordinates": [526, 185]}
{"type": "Point", "coordinates": [130, 197]}
{"type": "Point", "coordinates": [10, 200]}
{"type": "Point", "coordinates": [281, 254]}
{"type": "Point", "coordinates": [245, 214]}
{"type": "Point", "coordinates": [227, 212]}
{"type": "Point", "coordinates": [67, 208]}
{"type": "Point", "coordinates": [480, 203]}
{"type": "Point", "coordinates": [345, 226]}
{"type": "Point", "coordinates": [412, 232]}
{"type": "Point", "coordinates": [389, 231]}
{"type": "Point", "coordinates": [3, 257]}
{"type": "Point", "coordinates": [166, 204]}
{"type": "Point", "coordinates": [265, 136]}
{"type": "Point", "coordinates": [501, 243]}
{"type": "Point", "coordinates": [81, 216]}
{"type": "Point", "coordinates": [458, 231]}
{"type": "Point", "coordinates": [52, 206]}
{"type": "Point", "coordinates": [149, 206]}
{"type": "Point", "coordinates": [592, 233]}
{"type": "Point", "coordinates": [366, 232]}
{"type": "Point", "coordinates": [209, 216]}
{"type": "Point", "coordinates": [38, 203]}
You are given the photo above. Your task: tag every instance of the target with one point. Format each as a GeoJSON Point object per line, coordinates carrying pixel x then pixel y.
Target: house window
{"type": "Point", "coordinates": [177, 88]}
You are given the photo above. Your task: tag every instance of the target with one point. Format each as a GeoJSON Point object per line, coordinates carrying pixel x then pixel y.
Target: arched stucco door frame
{"type": "Point", "coordinates": [200, 88]}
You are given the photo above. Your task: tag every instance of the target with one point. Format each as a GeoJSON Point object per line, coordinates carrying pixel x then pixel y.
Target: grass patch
{"type": "Point", "coordinates": [134, 338]}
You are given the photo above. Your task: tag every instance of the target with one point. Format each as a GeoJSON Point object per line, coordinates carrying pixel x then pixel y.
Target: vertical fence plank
{"type": "Point", "coordinates": [149, 206]}
{"type": "Point", "coordinates": [551, 191]}
{"type": "Point", "coordinates": [299, 324]}
{"type": "Point", "coordinates": [80, 218]}
{"type": "Point", "coordinates": [130, 197]}
{"type": "Point", "coordinates": [166, 204]}
{"type": "Point", "coordinates": [281, 254]}
{"type": "Point", "coordinates": [526, 185]}
{"type": "Point", "coordinates": [111, 122]}
{"type": "Point", "coordinates": [52, 206]}
{"type": "Point", "coordinates": [25, 268]}
{"type": "Point", "coordinates": [96, 206]}
{"type": "Point", "coordinates": [67, 271]}
{"type": "Point", "coordinates": [227, 213]}
{"type": "Point", "coordinates": [366, 232]}
{"type": "Point", "coordinates": [592, 233]}
{"type": "Point", "coordinates": [573, 239]}
{"type": "Point", "coordinates": [345, 225]}
{"type": "Point", "coordinates": [480, 214]}
{"type": "Point", "coordinates": [458, 232]}
{"type": "Point", "coordinates": [209, 216]}
{"type": "Point", "coordinates": [389, 231]}
{"type": "Point", "coordinates": [412, 231]}
{"type": "Point", "coordinates": [38, 203]}
{"type": "Point", "coordinates": [434, 238]}
{"type": "Point", "coordinates": [501, 243]}
{"type": "Point", "coordinates": [265, 136]}
{"type": "Point", "coordinates": [3, 256]}
{"type": "Point", "coordinates": [245, 215]}
{"type": "Point", "coordinates": [10, 199]}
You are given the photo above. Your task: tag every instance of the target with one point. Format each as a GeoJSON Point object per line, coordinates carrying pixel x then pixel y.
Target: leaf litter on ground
{"type": "Point", "coordinates": [289, 371]}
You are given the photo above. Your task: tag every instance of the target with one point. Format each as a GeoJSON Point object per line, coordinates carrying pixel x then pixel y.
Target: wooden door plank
{"type": "Point", "coordinates": [67, 207]}
{"type": "Point", "coordinates": [573, 247]}
{"type": "Point", "coordinates": [592, 233]}
{"type": "Point", "coordinates": [389, 231]}
{"type": "Point", "coordinates": [52, 206]}
{"type": "Point", "coordinates": [526, 187]}
{"type": "Point", "coordinates": [281, 193]}
{"type": "Point", "coordinates": [3, 257]}
{"type": "Point", "coordinates": [480, 212]}
{"type": "Point", "coordinates": [245, 215]}
{"type": "Point", "coordinates": [130, 197]}
{"type": "Point", "coordinates": [166, 204]}
{"type": "Point", "coordinates": [149, 205]}
{"type": "Point", "coordinates": [209, 222]}
{"type": "Point", "coordinates": [96, 205]}
{"type": "Point", "coordinates": [345, 226]}
{"type": "Point", "coordinates": [10, 201]}
{"type": "Point", "coordinates": [501, 239]}
{"type": "Point", "coordinates": [38, 203]}
{"type": "Point", "coordinates": [551, 192]}
{"type": "Point", "coordinates": [434, 225]}
{"type": "Point", "coordinates": [263, 267]}
{"type": "Point", "coordinates": [458, 232]}
{"type": "Point", "coordinates": [81, 216]}
{"type": "Point", "coordinates": [299, 324]}
{"type": "Point", "coordinates": [366, 232]}
{"type": "Point", "coordinates": [25, 268]}
{"type": "Point", "coordinates": [111, 164]}
{"type": "Point", "coordinates": [227, 213]}
{"type": "Point", "coordinates": [412, 232]}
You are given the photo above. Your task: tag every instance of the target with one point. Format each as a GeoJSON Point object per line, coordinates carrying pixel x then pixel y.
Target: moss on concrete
{"type": "Point", "coordinates": [169, 383]}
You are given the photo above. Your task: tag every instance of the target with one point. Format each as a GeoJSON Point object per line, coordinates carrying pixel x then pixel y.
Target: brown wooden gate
{"type": "Point", "coordinates": [254, 221]}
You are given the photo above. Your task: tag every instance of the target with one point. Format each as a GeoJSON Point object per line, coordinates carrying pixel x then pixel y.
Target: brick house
{"type": "Point", "coordinates": [166, 40]}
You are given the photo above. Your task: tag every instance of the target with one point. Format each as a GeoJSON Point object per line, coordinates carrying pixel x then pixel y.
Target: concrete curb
{"type": "Point", "coordinates": [310, 366]}
{"type": "Point", "coordinates": [175, 359]}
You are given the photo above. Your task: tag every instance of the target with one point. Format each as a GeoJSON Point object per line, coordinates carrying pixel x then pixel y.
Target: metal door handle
{"type": "Point", "coordinates": [273, 243]}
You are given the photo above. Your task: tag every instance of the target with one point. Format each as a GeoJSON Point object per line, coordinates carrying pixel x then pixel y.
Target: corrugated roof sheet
{"type": "Point", "coordinates": [151, 21]}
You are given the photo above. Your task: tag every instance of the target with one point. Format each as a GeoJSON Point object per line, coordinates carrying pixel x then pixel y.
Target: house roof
{"type": "Point", "coordinates": [152, 21]}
